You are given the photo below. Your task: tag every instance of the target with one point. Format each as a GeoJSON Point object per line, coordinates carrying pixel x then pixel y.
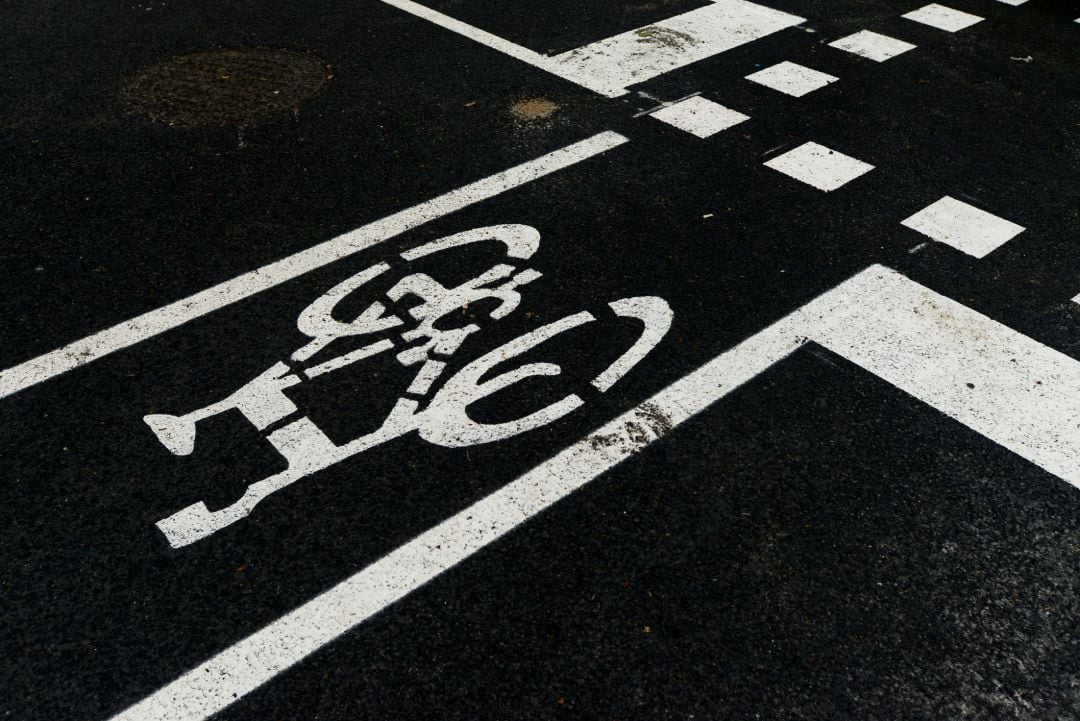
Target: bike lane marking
{"type": "Point", "coordinates": [1002, 384]}
{"type": "Point", "coordinates": [153, 323]}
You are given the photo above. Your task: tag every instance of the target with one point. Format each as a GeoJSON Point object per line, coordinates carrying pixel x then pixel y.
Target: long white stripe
{"type": "Point", "coordinates": [158, 321]}
{"type": "Point", "coordinates": [998, 382]}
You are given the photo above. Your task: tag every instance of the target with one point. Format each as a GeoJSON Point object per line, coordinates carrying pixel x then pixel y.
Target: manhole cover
{"type": "Point", "coordinates": [225, 87]}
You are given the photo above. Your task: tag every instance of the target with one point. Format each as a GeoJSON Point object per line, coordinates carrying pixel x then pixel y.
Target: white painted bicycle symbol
{"type": "Point", "coordinates": [442, 418]}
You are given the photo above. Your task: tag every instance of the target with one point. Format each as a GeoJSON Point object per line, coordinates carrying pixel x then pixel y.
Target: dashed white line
{"type": "Point", "coordinates": [155, 322]}
{"type": "Point", "coordinates": [943, 18]}
{"type": "Point", "coordinates": [872, 45]}
{"type": "Point", "coordinates": [699, 116]}
{"type": "Point", "coordinates": [1000, 383]}
{"type": "Point", "coordinates": [819, 166]}
{"type": "Point", "coordinates": [963, 226]}
{"type": "Point", "coordinates": [792, 79]}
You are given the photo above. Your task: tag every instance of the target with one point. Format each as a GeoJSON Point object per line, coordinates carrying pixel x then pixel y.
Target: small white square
{"type": "Point", "coordinates": [819, 166]}
{"type": "Point", "coordinates": [943, 18]}
{"type": "Point", "coordinates": [699, 116]}
{"type": "Point", "coordinates": [792, 78]}
{"type": "Point", "coordinates": [872, 45]}
{"type": "Point", "coordinates": [963, 226]}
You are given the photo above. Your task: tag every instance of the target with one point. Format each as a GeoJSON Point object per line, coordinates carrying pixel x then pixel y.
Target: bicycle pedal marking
{"type": "Point", "coordinates": [422, 338]}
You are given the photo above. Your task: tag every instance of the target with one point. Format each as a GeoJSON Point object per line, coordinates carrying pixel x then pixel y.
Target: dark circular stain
{"type": "Point", "coordinates": [225, 87]}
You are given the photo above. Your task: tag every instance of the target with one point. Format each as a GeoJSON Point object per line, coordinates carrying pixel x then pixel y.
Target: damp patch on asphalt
{"type": "Point", "coordinates": [225, 87]}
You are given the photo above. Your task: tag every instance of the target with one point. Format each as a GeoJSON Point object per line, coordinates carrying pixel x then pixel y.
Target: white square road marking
{"type": "Point", "coordinates": [943, 18]}
{"type": "Point", "coordinates": [819, 166]}
{"type": "Point", "coordinates": [699, 116]}
{"type": "Point", "coordinates": [963, 226]}
{"type": "Point", "coordinates": [792, 78]}
{"type": "Point", "coordinates": [872, 45]}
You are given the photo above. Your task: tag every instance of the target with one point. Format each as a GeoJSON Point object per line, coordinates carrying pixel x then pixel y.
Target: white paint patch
{"type": "Point", "coordinates": [1001, 384]}
{"type": "Point", "coordinates": [699, 116]}
{"type": "Point", "coordinates": [943, 18]}
{"type": "Point", "coordinates": [155, 322]}
{"type": "Point", "coordinates": [611, 65]}
{"type": "Point", "coordinates": [1014, 3]}
{"type": "Point", "coordinates": [872, 45]}
{"type": "Point", "coordinates": [963, 226]}
{"type": "Point", "coordinates": [792, 79]}
{"type": "Point", "coordinates": [819, 166]}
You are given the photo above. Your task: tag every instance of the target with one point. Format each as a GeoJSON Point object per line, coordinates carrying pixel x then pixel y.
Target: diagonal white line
{"type": "Point", "coordinates": [155, 322]}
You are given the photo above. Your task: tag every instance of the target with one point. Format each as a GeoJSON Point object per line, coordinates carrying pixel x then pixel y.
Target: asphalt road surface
{"type": "Point", "coordinates": [631, 359]}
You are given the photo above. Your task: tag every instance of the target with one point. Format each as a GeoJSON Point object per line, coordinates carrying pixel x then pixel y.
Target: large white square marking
{"type": "Point", "coordinates": [792, 78]}
{"type": "Point", "coordinates": [963, 226]}
{"type": "Point", "coordinates": [819, 166]}
{"type": "Point", "coordinates": [943, 18]}
{"type": "Point", "coordinates": [872, 45]}
{"type": "Point", "coordinates": [700, 116]}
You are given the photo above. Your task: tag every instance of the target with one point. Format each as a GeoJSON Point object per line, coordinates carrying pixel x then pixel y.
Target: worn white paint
{"type": "Point", "coordinates": [615, 63]}
{"type": "Point", "coordinates": [872, 45]}
{"type": "Point", "coordinates": [942, 17]}
{"type": "Point", "coordinates": [819, 166]}
{"type": "Point", "coordinates": [699, 116]}
{"type": "Point", "coordinates": [155, 322]}
{"type": "Point", "coordinates": [792, 79]}
{"type": "Point", "coordinates": [1001, 384]}
{"type": "Point", "coordinates": [611, 65]}
{"type": "Point", "coordinates": [963, 226]}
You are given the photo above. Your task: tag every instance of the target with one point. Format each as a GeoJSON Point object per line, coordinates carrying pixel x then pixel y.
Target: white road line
{"type": "Point", "coordinates": [943, 18]}
{"type": "Point", "coordinates": [611, 65]}
{"type": "Point", "coordinates": [699, 116]}
{"type": "Point", "coordinates": [819, 166]}
{"type": "Point", "coordinates": [1004, 385]}
{"type": "Point", "coordinates": [964, 227]}
{"type": "Point", "coordinates": [155, 322]}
